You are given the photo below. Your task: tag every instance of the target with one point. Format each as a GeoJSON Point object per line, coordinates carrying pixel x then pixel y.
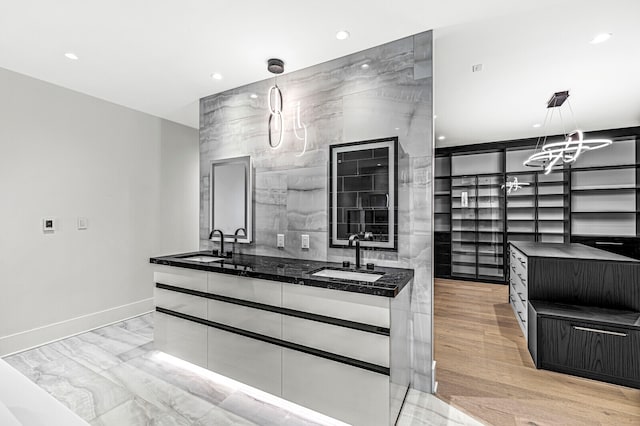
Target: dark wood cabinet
{"type": "Point", "coordinates": [571, 343]}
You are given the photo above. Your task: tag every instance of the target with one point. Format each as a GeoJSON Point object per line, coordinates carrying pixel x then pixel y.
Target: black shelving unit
{"type": "Point", "coordinates": [595, 201]}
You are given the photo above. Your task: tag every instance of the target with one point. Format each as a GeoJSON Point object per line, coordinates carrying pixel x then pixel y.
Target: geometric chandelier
{"type": "Point", "coordinates": [566, 151]}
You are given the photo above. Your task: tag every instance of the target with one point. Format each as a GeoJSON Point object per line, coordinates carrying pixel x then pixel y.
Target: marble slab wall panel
{"type": "Point", "coordinates": [339, 102]}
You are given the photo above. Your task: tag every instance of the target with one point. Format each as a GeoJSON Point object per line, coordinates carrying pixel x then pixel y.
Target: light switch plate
{"type": "Point", "coordinates": [280, 241]}
{"type": "Point", "coordinates": [48, 224]}
{"type": "Point", "coordinates": [82, 223]}
{"type": "Point", "coordinates": [304, 241]}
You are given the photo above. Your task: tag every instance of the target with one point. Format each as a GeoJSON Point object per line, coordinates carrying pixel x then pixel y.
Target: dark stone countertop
{"type": "Point", "coordinates": [295, 271]}
{"type": "Point", "coordinates": [567, 251]}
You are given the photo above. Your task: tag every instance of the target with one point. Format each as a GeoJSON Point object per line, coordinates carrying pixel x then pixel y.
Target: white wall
{"type": "Point", "coordinates": [65, 154]}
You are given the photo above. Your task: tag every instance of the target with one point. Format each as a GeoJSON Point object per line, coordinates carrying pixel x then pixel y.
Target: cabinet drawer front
{"type": "Point", "coordinates": [253, 289]}
{"type": "Point", "coordinates": [181, 338]}
{"type": "Point", "coordinates": [180, 277]}
{"type": "Point", "coordinates": [180, 302]}
{"type": "Point", "coordinates": [369, 347]}
{"type": "Point", "coordinates": [350, 394]}
{"type": "Point", "coordinates": [364, 308]}
{"type": "Point", "coordinates": [604, 350]}
{"type": "Point", "coordinates": [246, 360]}
{"type": "Point", "coordinates": [246, 318]}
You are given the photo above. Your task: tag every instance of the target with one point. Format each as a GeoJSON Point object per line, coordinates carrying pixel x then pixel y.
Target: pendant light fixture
{"type": "Point", "coordinates": [567, 151]}
{"type": "Point", "coordinates": [276, 116]}
{"type": "Point", "coordinates": [274, 98]}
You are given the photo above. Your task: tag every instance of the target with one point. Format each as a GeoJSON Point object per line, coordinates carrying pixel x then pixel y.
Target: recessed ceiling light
{"type": "Point", "coordinates": [216, 76]}
{"type": "Point", "coordinates": [253, 96]}
{"type": "Point", "coordinates": [435, 116]}
{"type": "Point", "coordinates": [441, 138]}
{"type": "Point", "coordinates": [364, 66]}
{"type": "Point", "coordinates": [71, 55]}
{"type": "Point", "coordinates": [601, 38]}
{"type": "Point", "coordinates": [342, 35]}
{"type": "Point", "coordinates": [537, 125]}
{"type": "Point", "coordinates": [397, 128]}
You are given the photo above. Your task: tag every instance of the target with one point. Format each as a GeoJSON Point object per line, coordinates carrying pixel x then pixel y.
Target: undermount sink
{"type": "Point", "coordinates": [369, 277]}
{"type": "Point", "coordinates": [203, 258]}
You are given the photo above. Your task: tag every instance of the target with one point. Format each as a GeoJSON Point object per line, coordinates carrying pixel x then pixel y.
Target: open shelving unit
{"type": "Point", "coordinates": [594, 201]}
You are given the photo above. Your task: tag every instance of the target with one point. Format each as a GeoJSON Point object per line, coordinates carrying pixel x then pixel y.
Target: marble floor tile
{"type": "Point", "coordinates": [423, 409]}
{"type": "Point", "coordinates": [139, 412]}
{"type": "Point", "coordinates": [113, 377]}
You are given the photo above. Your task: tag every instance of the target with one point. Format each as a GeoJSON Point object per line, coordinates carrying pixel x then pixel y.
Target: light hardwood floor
{"type": "Point", "coordinates": [484, 367]}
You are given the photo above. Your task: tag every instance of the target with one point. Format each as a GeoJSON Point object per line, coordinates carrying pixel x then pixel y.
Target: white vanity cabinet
{"type": "Point", "coordinates": [326, 349]}
{"type": "Point", "coordinates": [177, 336]}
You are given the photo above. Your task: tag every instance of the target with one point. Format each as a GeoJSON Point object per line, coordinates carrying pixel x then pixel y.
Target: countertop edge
{"type": "Point", "coordinates": [610, 257]}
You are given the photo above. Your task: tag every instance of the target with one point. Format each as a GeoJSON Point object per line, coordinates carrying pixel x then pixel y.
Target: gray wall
{"type": "Point", "coordinates": [340, 102]}
{"type": "Point", "coordinates": [132, 175]}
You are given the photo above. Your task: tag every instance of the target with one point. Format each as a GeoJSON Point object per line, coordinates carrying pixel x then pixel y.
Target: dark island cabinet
{"type": "Point", "coordinates": [609, 353]}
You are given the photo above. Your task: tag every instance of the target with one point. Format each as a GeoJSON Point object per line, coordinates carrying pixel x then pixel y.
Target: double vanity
{"type": "Point", "coordinates": [331, 338]}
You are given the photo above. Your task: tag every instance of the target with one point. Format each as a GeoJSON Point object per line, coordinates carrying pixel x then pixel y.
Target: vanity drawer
{"type": "Point", "coordinates": [246, 318]}
{"type": "Point", "coordinates": [245, 288]}
{"type": "Point", "coordinates": [181, 338]}
{"type": "Point", "coordinates": [357, 344]}
{"type": "Point", "coordinates": [364, 308]}
{"type": "Point", "coordinates": [180, 302]}
{"type": "Point", "coordinates": [603, 352]}
{"type": "Point", "coordinates": [181, 277]}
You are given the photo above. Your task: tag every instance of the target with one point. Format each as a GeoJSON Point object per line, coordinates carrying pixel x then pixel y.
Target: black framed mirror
{"type": "Point", "coordinates": [363, 187]}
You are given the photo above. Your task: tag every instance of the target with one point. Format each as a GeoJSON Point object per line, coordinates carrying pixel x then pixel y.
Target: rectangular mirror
{"type": "Point", "coordinates": [363, 182]}
{"type": "Point", "coordinates": [231, 197]}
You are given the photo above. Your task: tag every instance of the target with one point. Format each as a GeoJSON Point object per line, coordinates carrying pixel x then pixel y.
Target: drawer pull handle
{"type": "Point", "coordinates": [522, 299]}
{"type": "Point", "coordinates": [595, 330]}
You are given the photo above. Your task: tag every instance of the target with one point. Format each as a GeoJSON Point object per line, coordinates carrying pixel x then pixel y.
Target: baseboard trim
{"type": "Point", "coordinates": [29, 339]}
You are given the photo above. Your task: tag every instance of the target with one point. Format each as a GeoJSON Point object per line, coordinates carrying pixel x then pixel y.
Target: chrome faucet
{"type": "Point", "coordinates": [221, 240]}
{"type": "Point", "coordinates": [352, 238]}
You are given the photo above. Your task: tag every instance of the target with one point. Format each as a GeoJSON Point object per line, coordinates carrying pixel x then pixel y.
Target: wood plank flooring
{"type": "Point", "coordinates": [485, 370]}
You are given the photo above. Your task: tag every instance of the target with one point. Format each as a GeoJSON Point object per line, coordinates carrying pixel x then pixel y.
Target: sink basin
{"type": "Point", "coordinates": [203, 259]}
{"type": "Point", "coordinates": [369, 277]}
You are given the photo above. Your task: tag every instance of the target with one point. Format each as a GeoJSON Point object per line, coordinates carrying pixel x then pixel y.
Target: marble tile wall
{"type": "Point", "coordinates": [340, 101]}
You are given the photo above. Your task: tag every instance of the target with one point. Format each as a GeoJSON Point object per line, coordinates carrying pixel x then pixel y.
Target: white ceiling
{"type": "Point", "coordinates": [527, 57]}
{"type": "Point", "coordinates": [157, 56]}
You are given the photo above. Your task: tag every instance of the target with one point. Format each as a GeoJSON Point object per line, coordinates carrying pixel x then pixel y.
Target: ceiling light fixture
{"type": "Point", "coordinates": [274, 99]}
{"type": "Point", "coordinates": [72, 56]}
{"type": "Point", "coordinates": [601, 38]}
{"type": "Point", "coordinates": [253, 96]}
{"type": "Point", "coordinates": [364, 66]}
{"type": "Point", "coordinates": [441, 138]}
{"type": "Point", "coordinates": [536, 125]}
{"type": "Point", "coordinates": [567, 151]}
{"type": "Point", "coordinates": [342, 35]}
{"type": "Point", "coordinates": [216, 76]}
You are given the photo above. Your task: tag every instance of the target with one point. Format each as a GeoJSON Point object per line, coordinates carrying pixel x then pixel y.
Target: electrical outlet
{"type": "Point", "coordinates": [48, 224]}
{"type": "Point", "coordinates": [280, 241]}
{"type": "Point", "coordinates": [304, 242]}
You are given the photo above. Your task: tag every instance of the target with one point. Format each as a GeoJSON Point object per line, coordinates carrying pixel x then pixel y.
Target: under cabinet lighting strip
{"type": "Point", "coordinates": [283, 343]}
{"type": "Point", "coordinates": [284, 311]}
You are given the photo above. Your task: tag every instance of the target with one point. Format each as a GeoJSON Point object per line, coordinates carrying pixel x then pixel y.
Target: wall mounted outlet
{"type": "Point", "coordinates": [280, 241]}
{"type": "Point", "coordinates": [83, 223]}
{"type": "Point", "coordinates": [48, 224]}
{"type": "Point", "coordinates": [304, 241]}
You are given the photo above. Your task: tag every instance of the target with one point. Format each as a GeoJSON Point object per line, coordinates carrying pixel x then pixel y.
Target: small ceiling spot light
{"type": "Point", "coordinates": [441, 138]}
{"type": "Point", "coordinates": [601, 38]}
{"type": "Point", "coordinates": [435, 116]}
{"type": "Point", "coordinates": [216, 76]}
{"type": "Point", "coordinates": [253, 96]}
{"type": "Point", "coordinates": [397, 128]}
{"type": "Point", "coordinates": [72, 56]}
{"type": "Point", "coordinates": [364, 66]}
{"type": "Point", "coordinates": [275, 66]}
{"type": "Point", "coordinates": [476, 68]}
{"type": "Point", "coordinates": [536, 125]}
{"type": "Point", "coordinates": [342, 35]}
